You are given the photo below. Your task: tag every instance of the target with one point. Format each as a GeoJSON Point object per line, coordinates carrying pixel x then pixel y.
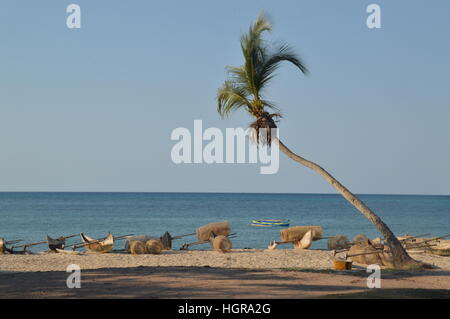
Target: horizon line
{"type": "Point", "coordinates": [198, 192]}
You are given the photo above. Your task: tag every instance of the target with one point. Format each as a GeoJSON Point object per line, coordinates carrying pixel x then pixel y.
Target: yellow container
{"type": "Point", "coordinates": [342, 265]}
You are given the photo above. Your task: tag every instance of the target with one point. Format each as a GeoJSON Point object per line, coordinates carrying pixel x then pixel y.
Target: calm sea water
{"type": "Point", "coordinates": [31, 216]}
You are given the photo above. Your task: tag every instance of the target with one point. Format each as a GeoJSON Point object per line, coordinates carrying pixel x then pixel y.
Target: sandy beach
{"type": "Point", "coordinates": [238, 258]}
{"type": "Point", "coordinates": [207, 274]}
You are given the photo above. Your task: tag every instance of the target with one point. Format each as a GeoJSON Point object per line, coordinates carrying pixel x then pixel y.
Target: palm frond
{"type": "Point", "coordinates": [271, 105]}
{"type": "Point", "coordinates": [283, 53]}
{"type": "Point", "coordinates": [253, 49]}
{"type": "Point", "coordinates": [231, 97]}
{"type": "Point", "coordinates": [238, 75]}
{"type": "Point", "coordinates": [253, 39]}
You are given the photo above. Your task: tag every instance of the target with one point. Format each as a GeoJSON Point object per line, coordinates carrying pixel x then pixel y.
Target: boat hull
{"type": "Point", "coordinates": [98, 246]}
{"type": "Point", "coordinates": [54, 244]}
{"type": "Point", "coordinates": [270, 223]}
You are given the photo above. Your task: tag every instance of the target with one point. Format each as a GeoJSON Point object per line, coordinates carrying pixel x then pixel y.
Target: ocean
{"type": "Point", "coordinates": [31, 216]}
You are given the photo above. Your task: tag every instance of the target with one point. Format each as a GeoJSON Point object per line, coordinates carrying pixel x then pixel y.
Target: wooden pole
{"type": "Point", "coordinates": [187, 245]}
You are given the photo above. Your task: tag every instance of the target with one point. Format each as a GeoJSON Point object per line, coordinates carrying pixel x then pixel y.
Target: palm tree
{"type": "Point", "coordinates": [244, 90]}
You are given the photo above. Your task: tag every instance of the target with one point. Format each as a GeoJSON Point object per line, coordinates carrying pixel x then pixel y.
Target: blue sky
{"type": "Point", "coordinates": [93, 109]}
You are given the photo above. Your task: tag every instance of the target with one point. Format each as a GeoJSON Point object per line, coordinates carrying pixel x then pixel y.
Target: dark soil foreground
{"type": "Point", "coordinates": [205, 282]}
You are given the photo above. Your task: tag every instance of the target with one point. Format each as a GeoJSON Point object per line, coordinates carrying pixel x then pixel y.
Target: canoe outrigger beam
{"type": "Point", "coordinates": [187, 245]}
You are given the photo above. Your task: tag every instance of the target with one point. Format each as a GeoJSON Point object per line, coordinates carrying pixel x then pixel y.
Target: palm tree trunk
{"type": "Point", "coordinates": [401, 259]}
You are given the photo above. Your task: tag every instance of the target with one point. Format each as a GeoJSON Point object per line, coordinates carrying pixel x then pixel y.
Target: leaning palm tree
{"type": "Point", "coordinates": [244, 90]}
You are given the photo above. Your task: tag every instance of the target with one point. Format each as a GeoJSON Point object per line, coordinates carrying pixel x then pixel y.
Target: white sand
{"type": "Point", "coordinates": [238, 258]}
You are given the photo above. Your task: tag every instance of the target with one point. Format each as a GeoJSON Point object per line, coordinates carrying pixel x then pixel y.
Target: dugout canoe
{"type": "Point", "coordinates": [440, 250]}
{"type": "Point", "coordinates": [98, 246]}
{"type": "Point", "coordinates": [68, 252]}
{"type": "Point", "coordinates": [54, 244]}
{"type": "Point", "coordinates": [270, 222]}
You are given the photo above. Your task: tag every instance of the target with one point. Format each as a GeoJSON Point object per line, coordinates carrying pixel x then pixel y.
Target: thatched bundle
{"type": "Point", "coordinates": [386, 257]}
{"type": "Point", "coordinates": [338, 242]}
{"type": "Point", "coordinates": [377, 240]}
{"type": "Point", "coordinates": [141, 238]}
{"type": "Point", "coordinates": [368, 259]}
{"type": "Point", "coordinates": [361, 239]}
{"type": "Point", "coordinates": [137, 247]}
{"type": "Point", "coordinates": [154, 247]}
{"type": "Point", "coordinates": [296, 233]}
{"type": "Point", "coordinates": [212, 230]}
{"type": "Point", "coordinates": [221, 244]}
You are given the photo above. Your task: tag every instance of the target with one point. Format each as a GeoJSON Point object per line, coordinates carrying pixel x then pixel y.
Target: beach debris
{"type": "Point", "coordinates": [338, 242]}
{"type": "Point", "coordinates": [137, 247]}
{"type": "Point", "coordinates": [154, 247]}
{"type": "Point", "coordinates": [221, 244]}
{"type": "Point", "coordinates": [204, 233]}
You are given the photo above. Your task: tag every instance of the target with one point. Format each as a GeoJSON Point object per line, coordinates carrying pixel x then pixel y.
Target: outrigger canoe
{"type": "Point", "coordinates": [98, 246]}
{"type": "Point", "coordinates": [270, 222]}
{"type": "Point", "coordinates": [440, 250]}
{"type": "Point", "coordinates": [54, 244]}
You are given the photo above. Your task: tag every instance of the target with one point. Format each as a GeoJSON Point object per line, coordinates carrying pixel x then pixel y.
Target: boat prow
{"type": "Point", "coordinates": [54, 244]}
{"type": "Point", "coordinates": [98, 246]}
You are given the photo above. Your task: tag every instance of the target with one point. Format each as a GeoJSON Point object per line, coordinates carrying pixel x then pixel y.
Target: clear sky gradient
{"type": "Point", "coordinates": [93, 109]}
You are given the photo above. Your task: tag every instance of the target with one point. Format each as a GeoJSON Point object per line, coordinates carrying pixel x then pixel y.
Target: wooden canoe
{"type": "Point", "coordinates": [98, 246]}
{"type": "Point", "coordinates": [440, 250]}
{"type": "Point", "coordinates": [270, 222]}
{"type": "Point", "coordinates": [54, 244]}
{"type": "Point", "coordinates": [305, 242]}
{"type": "Point", "coordinates": [68, 252]}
